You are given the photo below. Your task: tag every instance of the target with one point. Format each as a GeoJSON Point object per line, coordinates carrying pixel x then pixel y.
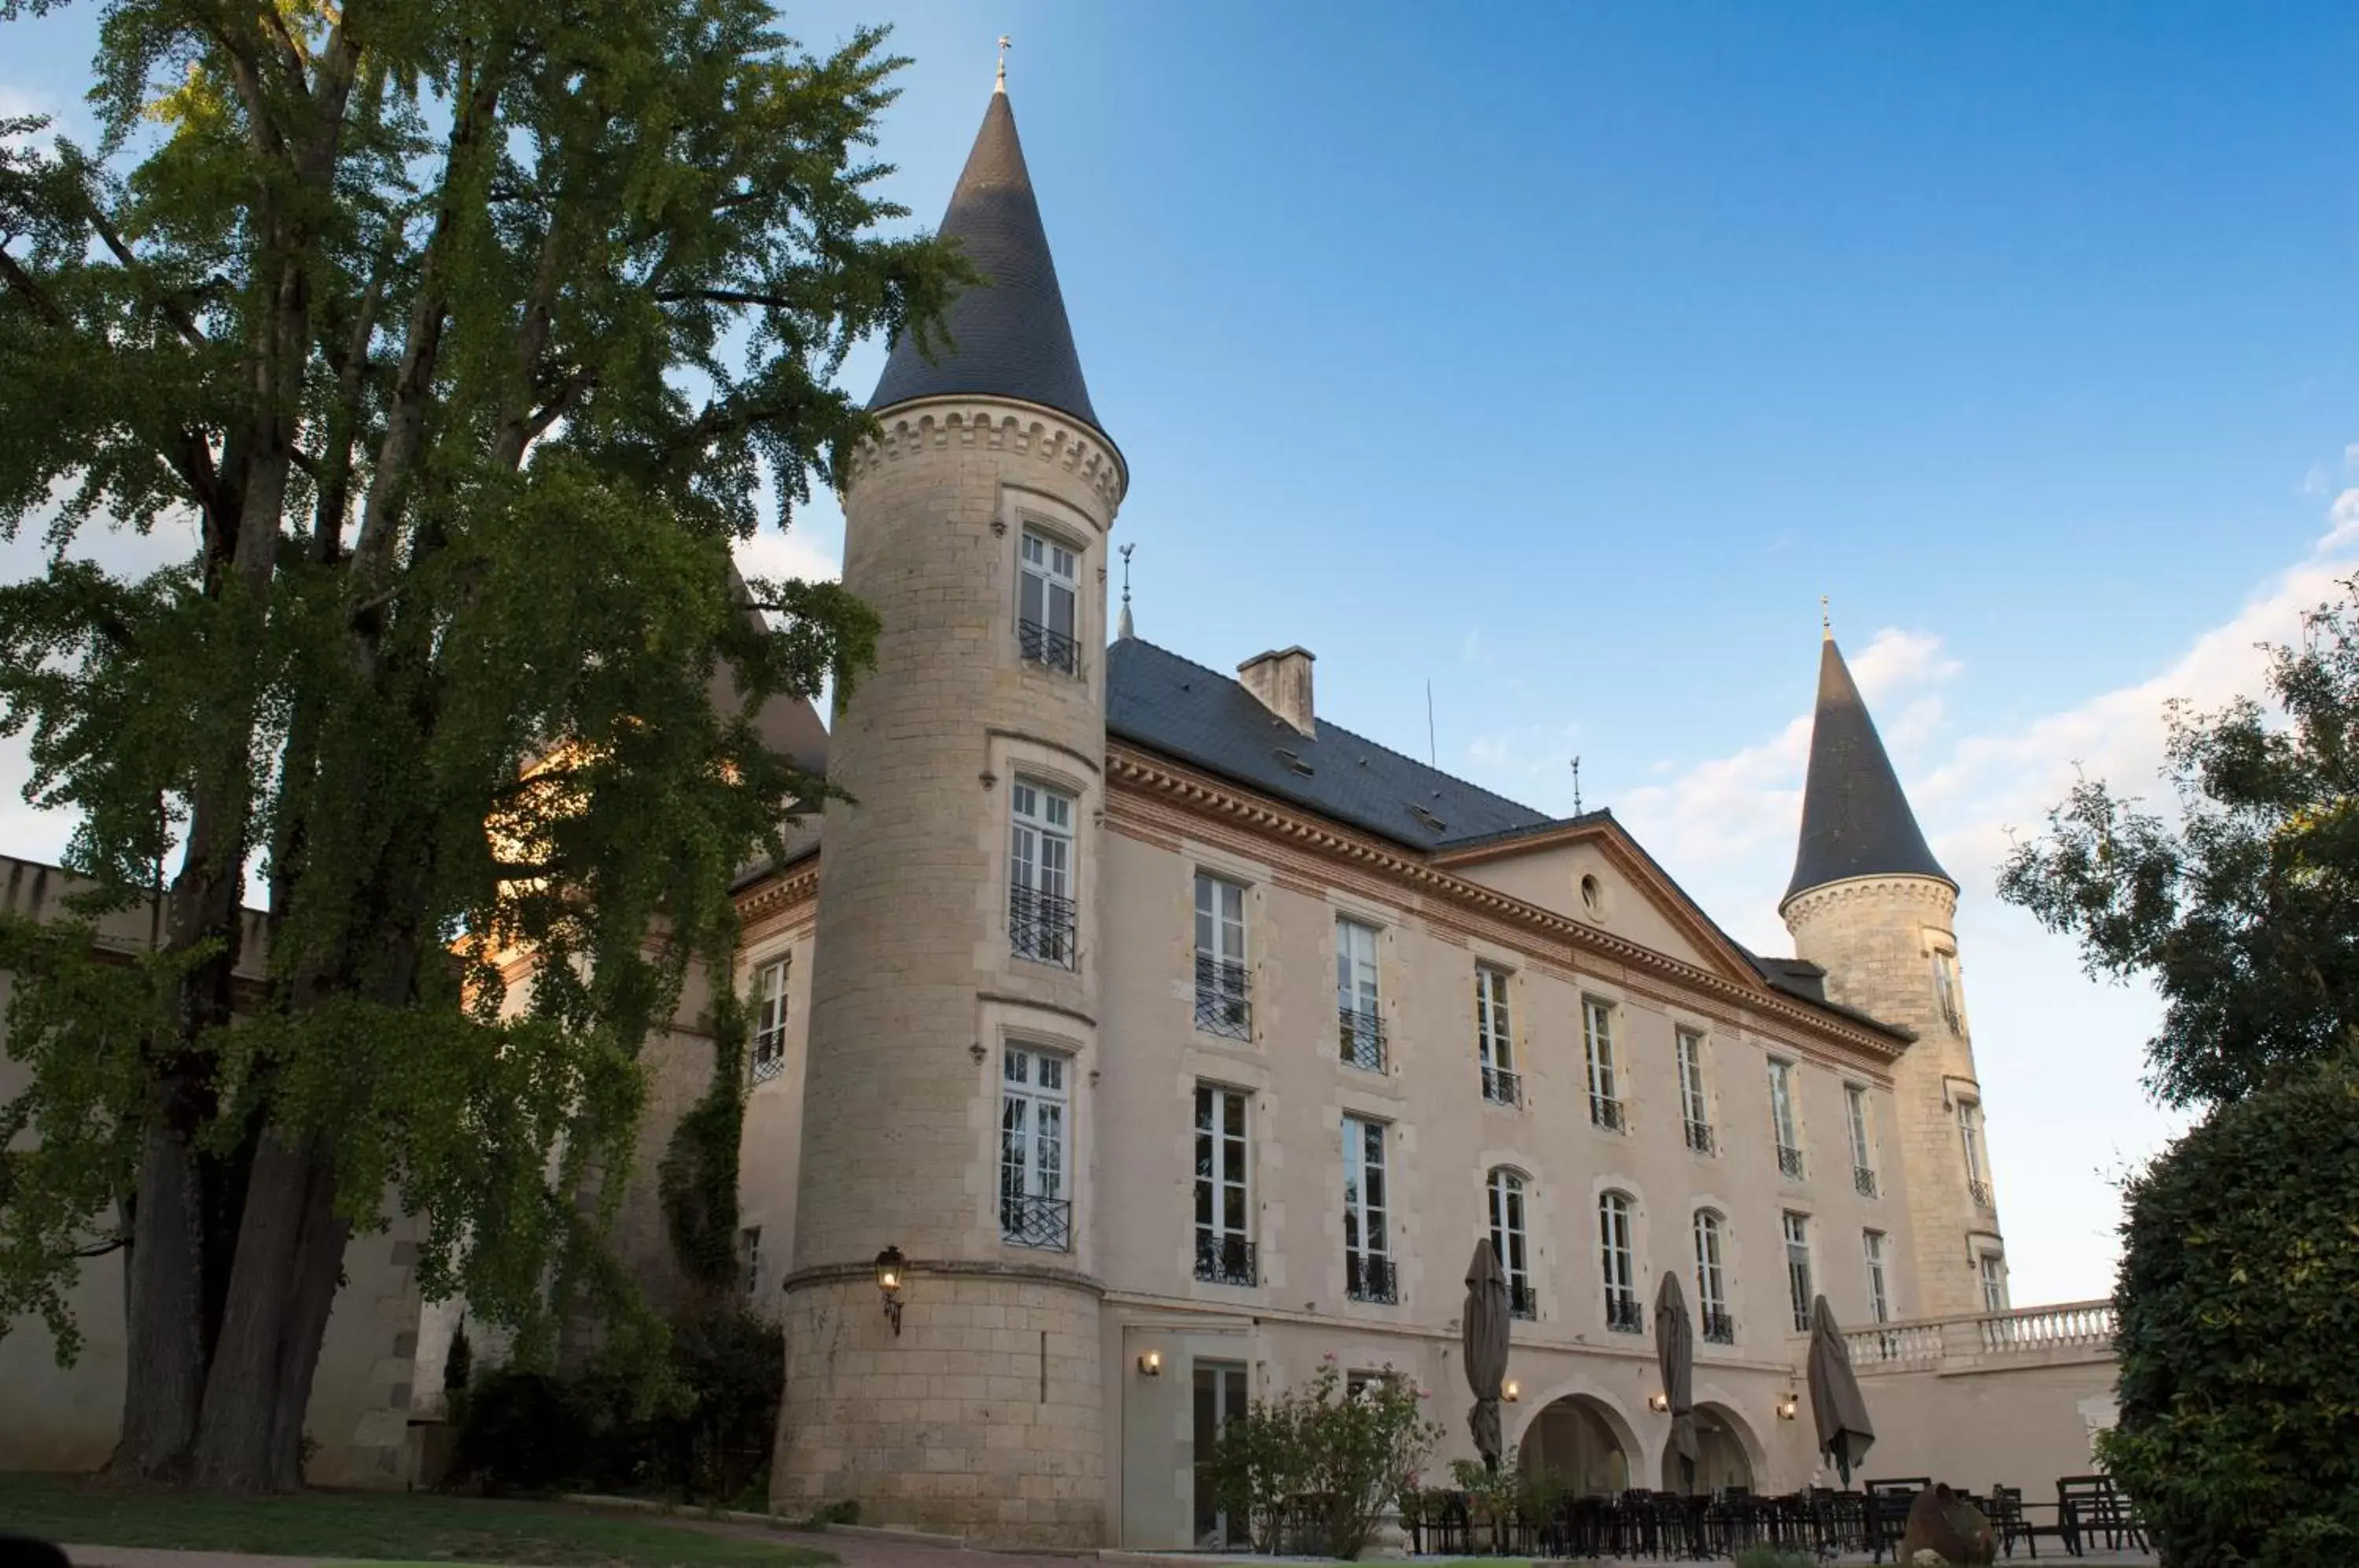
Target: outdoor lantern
{"type": "Point", "coordinates": [1788, 1405]}
{"type": "Point", "coordinates": [1151, 1364]}
{"type": "Point", "coordinates": [1658, 1402]}
{"type": "Point", "coordinates": [1510, 1391]}
{"type": "Point", "coordinates": [888, 1281]}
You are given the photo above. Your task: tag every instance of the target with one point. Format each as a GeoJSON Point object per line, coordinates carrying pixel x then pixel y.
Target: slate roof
{"type": "Point", "coordinates": [1855, 818]}
{"type": "Point", "coordinates": [1010, 336]}
{"type": "Point", "coordinates": [1175, 706]}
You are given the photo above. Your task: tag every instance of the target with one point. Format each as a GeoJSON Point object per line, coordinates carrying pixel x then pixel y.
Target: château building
{"type": "Point", "coordinates": [1174, 1037]}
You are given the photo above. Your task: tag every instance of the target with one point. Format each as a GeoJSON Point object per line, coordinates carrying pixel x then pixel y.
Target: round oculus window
{"type": "Point", "coordinates": [1593, 898]}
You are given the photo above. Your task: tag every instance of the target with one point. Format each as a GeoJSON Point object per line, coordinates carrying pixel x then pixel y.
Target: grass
{"type": "Point", "coordinates": [389, 1526]}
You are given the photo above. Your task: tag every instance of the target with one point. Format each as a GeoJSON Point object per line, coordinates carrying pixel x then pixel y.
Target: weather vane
{"type": "Point", "coordinates": [1576, 786]}
{"type": "Point", "coordinates": [1826, 620]}
{"type": "Point", "coordinates": [1002, 64]}
{"type": "Point", "coordinates": [1126, 570]}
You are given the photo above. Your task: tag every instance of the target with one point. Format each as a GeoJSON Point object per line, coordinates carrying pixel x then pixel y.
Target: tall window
{"type": "Point", "coordinates": [1798, 1267]}
{"type": "Point", "coordinates": [1033, 1207]}
{"type": "Point", "coordinates": [1695, 1109]}
{"type": "Point", "coordinates": [1224, 984]}
{"type": "Point", "coordinates": [1367, 1254]}
{"type": "Point", "coordinates": [749, 1259]}
{"type": "Point", "coordinates": [1782, 1121]}
{"type": "Point", "coordinates": [1045, 632]}
{"type": "Point", "coordinates": [1970, 1140]}
{"type": "Point", "coordinates": [1359, 1022]}
{"type": "Point", "coordinates": [769, 1020]}
{"type": "Point", "coordinates": [1619, 1261]}
{"type": "Point", "coordinates": [1879, 1300]}
{"type": "Point", "coordinates": [1946, 993]}
{"type": "Point", "coordinates": [1040, 874]}
{"type": "Point", "coordinates": [1712, 1276]}
{"type": "Point", "coordinates": [1494, 1037]}
{"type": "Point", "coordinates": [1994, 1273]}
{"type": "Point", "coordinates": [1605, 1095]}
{"type": "Point", "coordinates": [1508, 1240]}
{"type": "Point", "coordinates": [1225, 1252]}
{"type": "Point", "coordinates": [1863, 1160]}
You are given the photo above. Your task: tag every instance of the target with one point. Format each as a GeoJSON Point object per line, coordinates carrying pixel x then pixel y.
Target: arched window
{"type": "Point", "coordinates": [1508, 1240]}
{"type": "Point", "coordinates": [1712, 1276]}
{"type": "Point", "coordinates": [1620, 1262]}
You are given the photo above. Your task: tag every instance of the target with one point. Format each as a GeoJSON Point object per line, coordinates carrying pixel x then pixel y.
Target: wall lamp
{"type": "Point", "coordinates": [1787, 1405]}
{"type": "Point", "coordinates": [1660, 1403]}
{"type": "Point", "coordinates": [1511, 1391]}
{"type": "Point", "coordinates": [889, 1267]}
{"type": "Point", "coordinates": [1151, 1364]}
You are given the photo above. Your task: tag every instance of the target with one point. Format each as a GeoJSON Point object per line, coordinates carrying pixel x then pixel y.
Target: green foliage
{"type": "Point", "coordinates": [1324, 1460]}
{"type": "Point", "coordinates": [1760, 1555]}
{"type": "Point", "coordinates": [454, 347]}
{"type": "Point", "coordinates": [1511, 1491]}
{"type": "Point", "coordinates": [2239, 1334]}
{"type": "Point", "coordinates": [697, 1179]}
{"type": "Point", "coordinates": [2244, 912]}
{"type": "Point", "coordinates": [459, 1362]}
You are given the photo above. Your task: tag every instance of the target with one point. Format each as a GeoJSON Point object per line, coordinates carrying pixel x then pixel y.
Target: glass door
{"type": "Point", "coordinates": [1219, 1399]}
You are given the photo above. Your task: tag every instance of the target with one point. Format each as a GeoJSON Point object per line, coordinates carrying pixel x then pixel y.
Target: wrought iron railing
{"type": "Point", "coordinates": [1607, 1112]}
{"type": "Point", "coordinates": [1979, 1191]}
{"type": "Point", "coordinates": [1864, 1178]}
{"type": "Point", "coordinates": [1370, 1276]}
{"type": "Point", "coordinates": [1523, 1301]}
{"type": "Point", "coordinates": [1224, 997]}
{"type": "Point", "coordinates": [1045, 1223]}
{"type": "Point", "coordinates": [1055, 649]}
{"type": "Point", "coordinates": [1622, 1313]}
{"type": "Point", "coordinates": [769, 1059]}
{"type": "Point", "coordinates": [1040, 926]}
{"type": "Point", "coordinates": [1362, 1037]}
{"type": "Point", "coordinates": [1700, 1137]}
{"type": "Point", "coordinates": [1789, 1161]}
{"type": "Point", "coordinates": [1503, 1087]}
{"type": "Point", "coordinates": [1719, 1328]}
{"type": "Point", "coordinates": [1224, 1259]}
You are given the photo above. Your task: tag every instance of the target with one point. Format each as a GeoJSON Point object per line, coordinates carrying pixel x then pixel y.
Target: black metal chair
{"type": "Point", "coordinates": [1887, 1505]}
{"type": "Point", "coordinates": [2007, 1517]}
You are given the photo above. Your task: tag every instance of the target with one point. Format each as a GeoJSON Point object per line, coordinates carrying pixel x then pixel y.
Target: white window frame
{"type": "Point", "coordinates": [1991, 1268]}
{"type": "Point", "coordinates": [1224, 984]}
{"type": "Point", "coordinates": [1510, 1204]}
{"type": "Point", "coordinates": [1367, 1203]}
{"type": "Point", "coordinates": [1695, 1099]}
{"type": "Point", "coordinates": [1879, 1293]}
{"type": "Point", "coordinates": [1359, 994]}
{"type": "Point", "coordinates": [1711, 1230]}
{"type": "Point", "coordinates": [1801, 1285]}
{"type": "Point", "coordinates": [1863, 1143]}
{"type": "Point", "coordinates": [1034, 1144]}
{"type": "Point", "coordinates": [1948, 993]}
{"type": "Point", "coordinates": [769, 1052]}
{"type": "Point", "coordinates": [1970, 1140]}
{"type": "Point", "coordinates": [1223, 1186]}
{"type": "Point", "coordinates": [1041, 854]}
{"type": "Point", "coordinates": [1784, 1117]}
{"type": "Point", "coordinates": [1597, 1043]}
{"type": "Point", "coordinates": [1617, 1252]}
{"type": "Point", "coordinates": [1049, 587]}
{"type": "Point", "coordinates": [1494, 1036]}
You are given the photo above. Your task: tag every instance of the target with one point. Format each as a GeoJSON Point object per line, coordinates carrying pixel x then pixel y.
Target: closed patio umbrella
{"type": "Point", "coordinates": [1484, 1333]}
{"type": "Point", "coordinates": [1675, 1355]}
{"type": "Point", "coordinates": [1846, 1434]}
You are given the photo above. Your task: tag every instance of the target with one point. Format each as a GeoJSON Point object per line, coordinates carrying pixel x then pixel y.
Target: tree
{"type": "Point", "coordinates": [2239, 1429]}
{"type": "Point", "coordinates": [2245, 913]}
{"type": "Point", "coordinates": [460, 340]}
{"type": "Point", "coordinates": [1325, 1459]}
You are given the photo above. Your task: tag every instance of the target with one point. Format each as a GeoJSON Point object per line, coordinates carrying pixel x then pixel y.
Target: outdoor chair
{"type": "Point", "coordinates": [1887, 1503]}
{"type": "Point", "coordinates": [2007, 1517]}
{"type": "Point", "coordinates": [2091, 1506]}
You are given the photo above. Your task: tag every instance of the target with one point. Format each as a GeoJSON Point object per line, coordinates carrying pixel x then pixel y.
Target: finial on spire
{"type": "Point", "coordinates": [1002, 64]}
{"type": "Point", "coordinates": [1123, 630]}
{"type": "Point", "coordinates": [1826, 621]}
{"type": "Point", "coordinates": [1576, 786]}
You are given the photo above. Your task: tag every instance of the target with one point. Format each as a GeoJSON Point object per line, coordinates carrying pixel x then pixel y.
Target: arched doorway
{"type": "Point", "coordinates": [1723, 1453]}
{"type": "Point", "coordinates": [1574, 1440]}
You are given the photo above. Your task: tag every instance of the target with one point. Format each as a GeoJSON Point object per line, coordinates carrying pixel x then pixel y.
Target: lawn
{"type": "Point", "coordinates": [415, 1527]}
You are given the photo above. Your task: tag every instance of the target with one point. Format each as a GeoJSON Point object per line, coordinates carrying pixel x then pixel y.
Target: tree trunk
{"type": "Point", "coordinates": [164, 1292]}
{"type": "Point", "coordinates": [289, 1255]}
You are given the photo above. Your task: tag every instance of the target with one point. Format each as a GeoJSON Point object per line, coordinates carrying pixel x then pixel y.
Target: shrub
{"type": "Point", "coordinates": [1325, 1457]}
{"type": "Point", "coordinates": [1761, 1556]}
{"type": "Point", "coordinates": [1512, 1491]}
{"type": "Point", "coordinates": [2239, 1338]}
{"type": "Point", "coordinates": [518, 1434]}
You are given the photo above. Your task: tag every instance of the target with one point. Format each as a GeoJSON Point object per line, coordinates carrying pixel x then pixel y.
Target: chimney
{"type": "Point", "coordinates": [1282, 681]}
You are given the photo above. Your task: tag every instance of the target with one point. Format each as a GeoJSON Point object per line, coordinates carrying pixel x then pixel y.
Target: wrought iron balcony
{"type": "Point", "coordinates": [1223, 998]}
{"type": "Point", "coordinates": [1503, 1087]}
{"type": "Point", "coordinates": [1622, 1313]}
{"type": "Point", "coordinates": [1041, 927]}
{"type": "Point", "coordinates": [1523, 1301]}
{"type": "Point", "coordinates": [1790, 1162]}
{"type": "Point", "coordinates": [1719, 1328]}
{"type": "Point", "coordinates": [1864, 1178]}
{"type": "Point", "coordinates": [769, 1059]}
{"type": "Point", "coordinates": [1370, 1276]}
{"type": "Point", "coordinates": [1226, 1259]}
{"type": "Point", "coordinates": [1700, 1137]}
{"type": "Point", "coordinates": [1055, 649]}
{"type": "Point", "coordinates": [1362, 1036]}
{"type": "Point", "coordinates": [1608, 1114]}
{"type": "Point", "coordinates": [1979, 1191]}
{"type": "Point", "coordinates": [1044, 1223]}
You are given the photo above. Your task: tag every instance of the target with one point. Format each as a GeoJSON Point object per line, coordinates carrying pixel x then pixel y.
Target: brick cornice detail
{"type": "Point", "coordinates": [776, 892]}
{"type": "Point", "coordinates": [999, 424]}
{"type": "Point", "coordinates": [1198, 796]}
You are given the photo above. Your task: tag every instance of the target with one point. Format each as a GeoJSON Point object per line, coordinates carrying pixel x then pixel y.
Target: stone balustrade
{"type": "Point", "coordinates": [2071, 1331]}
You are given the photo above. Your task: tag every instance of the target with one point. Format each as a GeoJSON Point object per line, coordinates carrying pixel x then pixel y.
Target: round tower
{"type": "Point", "coordinates": [952, 1043]}
{"type": "Point", "coordinates": [1871, 905]}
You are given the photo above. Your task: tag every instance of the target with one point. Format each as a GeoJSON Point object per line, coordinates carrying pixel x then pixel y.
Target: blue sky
{"type": "Point", "coordinates": [1563, 357]}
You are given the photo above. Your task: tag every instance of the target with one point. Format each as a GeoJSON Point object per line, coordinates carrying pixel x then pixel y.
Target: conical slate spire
{"type": "Point", "coordinates": [1856, 820]}
{"type": "Point", "coordinates": [1007, 336]}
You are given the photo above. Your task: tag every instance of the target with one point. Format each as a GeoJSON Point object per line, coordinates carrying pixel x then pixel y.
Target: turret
{"type": "Point", "coordinates": [1871, 905]}
{"type": "Point", "coordinates": [953, 1046]}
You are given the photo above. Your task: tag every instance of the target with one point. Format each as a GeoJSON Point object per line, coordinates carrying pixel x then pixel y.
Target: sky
{"type": "Point", "coordinates": [1562, 356]}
